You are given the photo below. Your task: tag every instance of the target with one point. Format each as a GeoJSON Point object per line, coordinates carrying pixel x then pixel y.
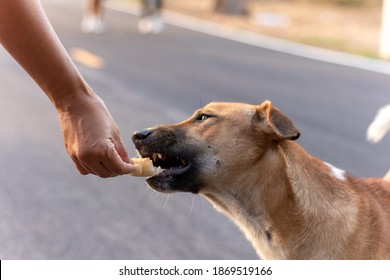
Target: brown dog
{"type": "Point", "coordinates": [289, 204]}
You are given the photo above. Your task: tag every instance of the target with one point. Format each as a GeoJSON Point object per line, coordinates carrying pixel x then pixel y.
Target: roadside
{"type": "Point", "coordinates": [231, 32]}
{"type": "Point", "coordinates": [352, 28]}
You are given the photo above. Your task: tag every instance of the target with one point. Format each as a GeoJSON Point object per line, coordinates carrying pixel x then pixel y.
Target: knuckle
{"type": "Point", "coordinates": [86, 154]}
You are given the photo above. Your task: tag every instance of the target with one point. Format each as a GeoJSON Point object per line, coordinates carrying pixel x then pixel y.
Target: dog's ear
{"type": "Point", "coordinates": [276, 123]}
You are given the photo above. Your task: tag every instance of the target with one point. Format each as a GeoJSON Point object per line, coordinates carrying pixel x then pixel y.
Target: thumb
{"type": "Point", "coordinates": [119, 164]}
{"type": "Point", "coordinates": [121, 149]}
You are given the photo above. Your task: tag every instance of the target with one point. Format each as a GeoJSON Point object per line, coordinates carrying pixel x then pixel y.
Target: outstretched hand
{"type": "Point", "coordinates": [90, 134]}
{"type": "Point", "coordinates": [92, 139]}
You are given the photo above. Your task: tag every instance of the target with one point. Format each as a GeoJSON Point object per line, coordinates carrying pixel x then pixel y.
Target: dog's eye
{"type": "Point", "coordinates": [202, 117]}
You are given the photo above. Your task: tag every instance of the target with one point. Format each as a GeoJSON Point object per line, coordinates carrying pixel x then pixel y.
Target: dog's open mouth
{"type": "Point", "coordinates": [168, 165]}
{"type": "Point", "coordinates": [176, 163]}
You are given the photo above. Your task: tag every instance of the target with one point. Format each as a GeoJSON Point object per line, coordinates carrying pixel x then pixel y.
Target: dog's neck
{"type": "Point", "coordinates": [289, 192]}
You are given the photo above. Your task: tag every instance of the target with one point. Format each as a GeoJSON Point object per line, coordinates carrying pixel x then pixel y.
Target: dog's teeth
{"type": "Point", "coordinates": [159, 170]}
{"type": "Point", "coordinates": [157, 156]}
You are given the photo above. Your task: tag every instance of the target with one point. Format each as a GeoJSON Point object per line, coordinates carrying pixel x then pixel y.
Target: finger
{"type": "Point", "coordinates": [105, 172]}
{"type": "Point", "coordinates": [81, 168]}
{"type": "Point", "coordinates": [116, 164]}
{"type": "Point", "coordinates": [121, 150]}
{"type": "Point", "coordinates": [93, 164]}
{"type": "Point", "coordinates": [99, 168]}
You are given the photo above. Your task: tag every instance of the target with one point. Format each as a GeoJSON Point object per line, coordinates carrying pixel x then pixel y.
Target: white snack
{"type": "Point", "coordinates": [143, 167]}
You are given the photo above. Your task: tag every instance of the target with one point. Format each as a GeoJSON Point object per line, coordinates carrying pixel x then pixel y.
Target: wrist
{"type": "Point", "coordinates": [72, 97]}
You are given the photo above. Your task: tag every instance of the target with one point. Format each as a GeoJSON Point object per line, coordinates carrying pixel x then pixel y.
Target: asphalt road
{"type": "Point", "coordinates": [49, 211]}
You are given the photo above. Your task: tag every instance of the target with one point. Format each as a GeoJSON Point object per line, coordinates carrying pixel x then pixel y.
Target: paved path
{"type": "Point", "coordinates": [49, 211]}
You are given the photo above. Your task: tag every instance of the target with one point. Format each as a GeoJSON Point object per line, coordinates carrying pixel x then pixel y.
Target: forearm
{"type": "Point", "coordinates": [91, 136]}
{"type": "Point", "coordinates": [28, 36]}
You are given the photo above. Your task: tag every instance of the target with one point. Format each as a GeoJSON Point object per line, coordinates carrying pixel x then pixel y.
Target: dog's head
{"type": "Point", "coordinates": [219, 140]}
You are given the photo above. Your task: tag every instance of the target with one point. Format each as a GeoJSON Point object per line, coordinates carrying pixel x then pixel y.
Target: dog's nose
{"type": "Point", "coordinates": [141, 135]}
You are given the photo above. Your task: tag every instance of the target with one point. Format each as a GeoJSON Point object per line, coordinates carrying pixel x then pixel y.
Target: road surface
{"type": "Point", "coordinates": [49, 211]}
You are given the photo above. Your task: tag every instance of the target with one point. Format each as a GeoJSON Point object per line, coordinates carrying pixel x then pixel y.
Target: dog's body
{"type": "Point", "coordinates": [289, 204]}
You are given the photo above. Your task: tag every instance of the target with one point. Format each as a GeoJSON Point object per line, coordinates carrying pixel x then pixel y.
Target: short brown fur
{"type": "Point", "coordinates": [289, 204]}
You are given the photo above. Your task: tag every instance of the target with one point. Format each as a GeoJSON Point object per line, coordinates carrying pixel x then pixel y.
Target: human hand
{"type": "Point", "coordinates": [90, 134]}
{"type": "Point", "coordinates": [92, 138]}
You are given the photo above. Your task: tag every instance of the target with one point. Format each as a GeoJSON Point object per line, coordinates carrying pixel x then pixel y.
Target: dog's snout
{"type": "Point", "coordinates": [141, 135]}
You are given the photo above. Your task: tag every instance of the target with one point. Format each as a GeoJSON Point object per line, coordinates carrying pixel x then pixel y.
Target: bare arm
{"type": "Point", "coordinates": [90, 134]}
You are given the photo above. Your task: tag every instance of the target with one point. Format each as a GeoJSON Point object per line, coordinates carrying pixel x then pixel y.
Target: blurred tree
{"type": "Point", "coordinates": [232, 7]}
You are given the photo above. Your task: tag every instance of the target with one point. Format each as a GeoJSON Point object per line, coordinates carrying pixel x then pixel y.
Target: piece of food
{"type": "Point", "coordinates": [143, 167]}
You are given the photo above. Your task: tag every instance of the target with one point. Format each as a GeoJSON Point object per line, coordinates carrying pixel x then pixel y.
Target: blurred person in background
{"type": "Point", "coordinates": [149, 22]}
{"type": "Point", "coordinates": [92, 21]}
{"type": "Point", "coordinates": [90, 134]}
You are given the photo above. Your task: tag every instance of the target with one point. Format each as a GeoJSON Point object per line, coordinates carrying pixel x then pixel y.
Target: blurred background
{"type": "Point", "coordinates": [347, 25]}
{"type": "Point", "coordinates": [198, 55]}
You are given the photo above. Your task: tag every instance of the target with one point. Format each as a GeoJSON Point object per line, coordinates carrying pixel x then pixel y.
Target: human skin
{"type": "Point", "coordinates": [90, 134]}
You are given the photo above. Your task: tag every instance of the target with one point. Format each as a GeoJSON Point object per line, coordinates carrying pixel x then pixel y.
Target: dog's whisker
{"type": "Point", "coordinates": [166, 200]}
{"type": "Point", "coordinates": [152, 192]}
{"type": "Point", "coordinates": [192, 207]}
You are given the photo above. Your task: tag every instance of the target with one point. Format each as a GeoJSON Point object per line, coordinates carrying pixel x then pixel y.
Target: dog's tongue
{"type": "Point", "coordinates": [172, 170]}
